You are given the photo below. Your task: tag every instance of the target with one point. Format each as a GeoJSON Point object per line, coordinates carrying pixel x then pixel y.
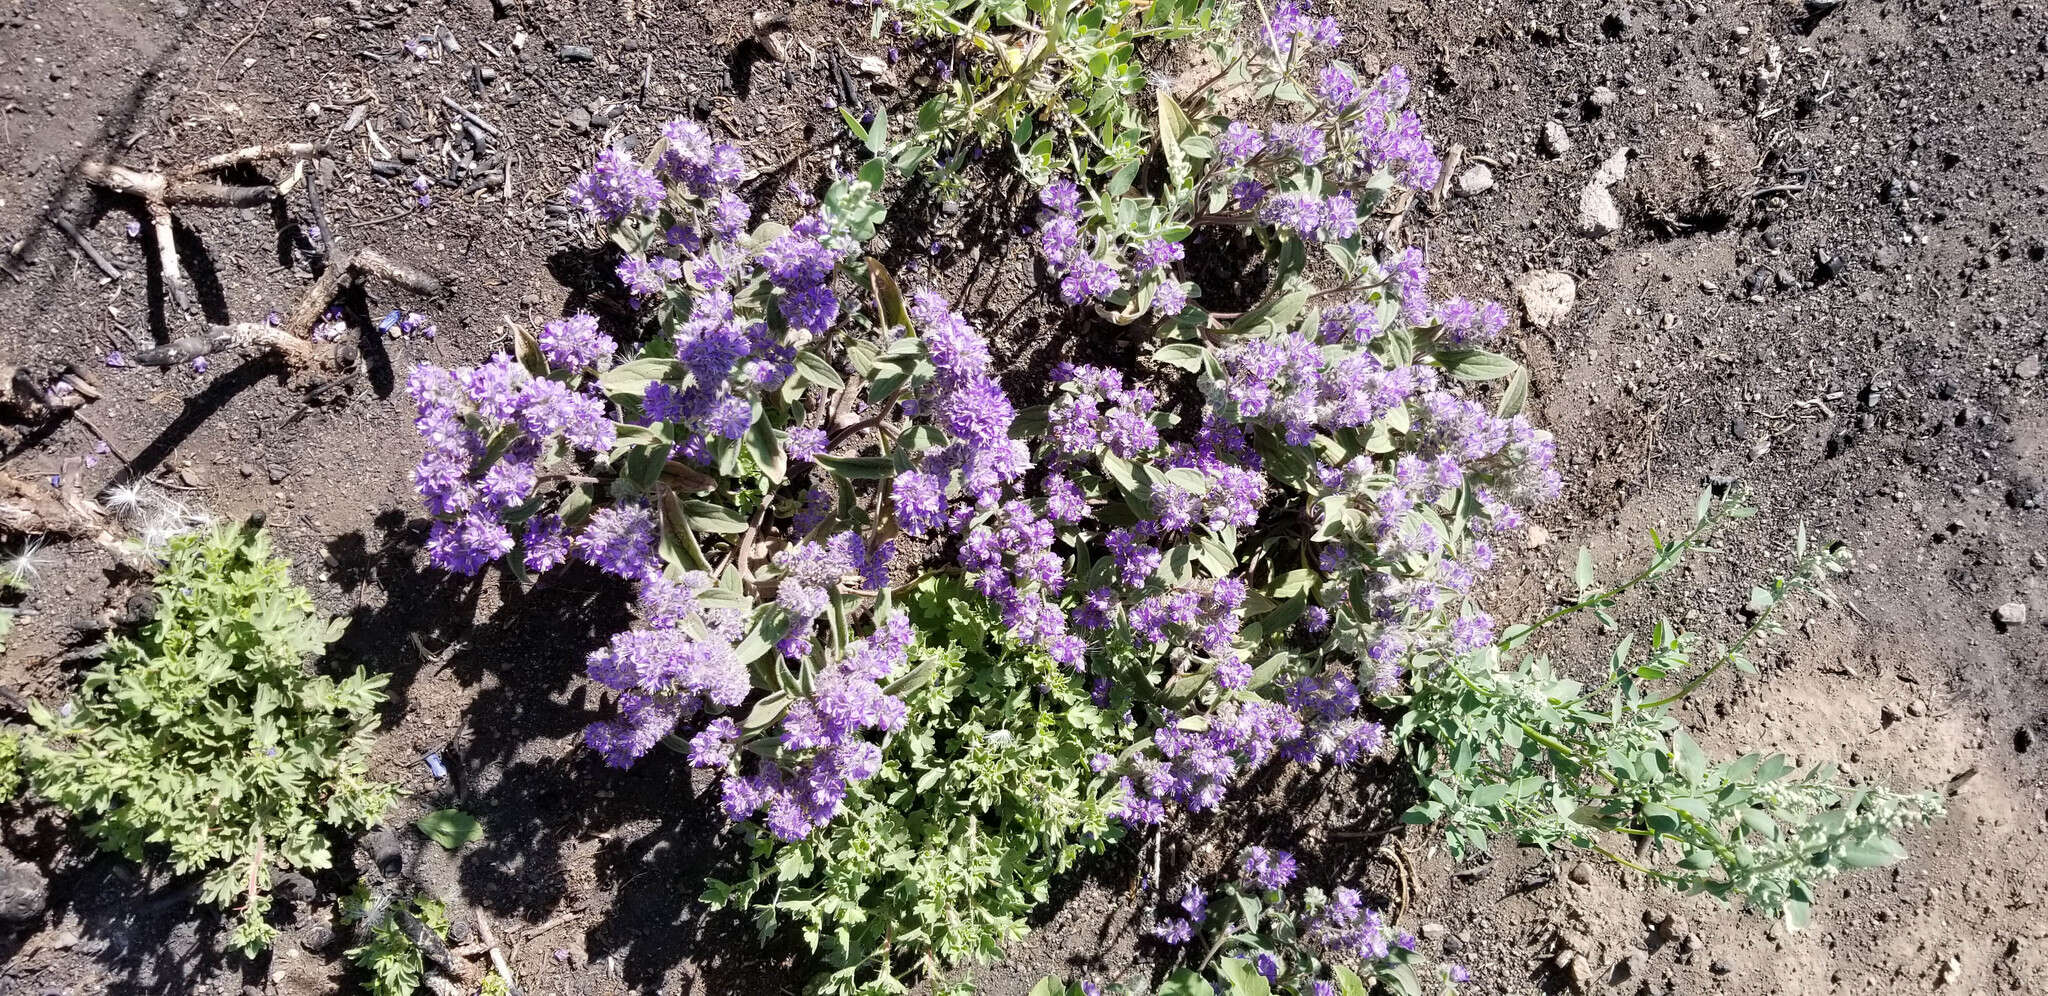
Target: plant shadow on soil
{"type": "Point", "coordinates": [632, 848]}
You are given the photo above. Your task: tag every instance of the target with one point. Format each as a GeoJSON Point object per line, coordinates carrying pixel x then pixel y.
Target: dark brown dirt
{"type": "Point", "coordinates": [1828, 286]}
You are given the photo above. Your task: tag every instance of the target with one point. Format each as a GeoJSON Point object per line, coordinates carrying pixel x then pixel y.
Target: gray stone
{"type": "Point", "coordinates": [2029, 366]}
{"type": "Point", "coordinates": [24, 892]}
{"type": "Point", "coordinates": [1475, 181]}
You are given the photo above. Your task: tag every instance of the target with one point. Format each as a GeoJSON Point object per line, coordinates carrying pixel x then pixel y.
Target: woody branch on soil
{"type": "Point", "coordinates": [186, 187]}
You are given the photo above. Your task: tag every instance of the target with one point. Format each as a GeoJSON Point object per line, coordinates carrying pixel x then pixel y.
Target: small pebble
{"type": "Point", "coordinates": [2010, 615]}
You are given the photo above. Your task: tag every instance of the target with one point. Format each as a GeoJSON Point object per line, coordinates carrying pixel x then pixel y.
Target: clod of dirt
{"type": "Point", "coordinates": [2009, 616]}
{"type": "Point", "coordinates": [1581, 874]}
{"type": "Point", "coordinates": [1546, 296]}
{"type": "Point", "coordinates": [1699, 184]}
{"type": "Point", "coordinates": [2029, 367]}
{"type": "Point", "coordinates": [24, 892]}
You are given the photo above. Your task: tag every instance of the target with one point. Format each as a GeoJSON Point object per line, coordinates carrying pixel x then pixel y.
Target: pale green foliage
{"type": "Point", "coordinates": [1537, 755]}
{"type": "Point", "coordinates": [393, 933]}
{"type": "Point", "coordinates": [10, 766]}
{"type": "Point", "coordinates": [205, 737]}
{"type": "Point", "coordinates": [1050, 77]}
{"type": "Point", "coordinates": [983, 796]}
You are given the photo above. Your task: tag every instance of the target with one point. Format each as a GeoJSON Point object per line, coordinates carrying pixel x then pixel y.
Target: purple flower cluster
{"type": "Point", "coordinates": [800, 266]}
{"type": "Point", "coordinates": [974, 469]}
{"type": "Point", "coordinates": [1189, 913]}
{"type": "Point", "coordinates": [681, 662]}
{"type": "Point", "coordinates": [574, 343]}
{"type": "Point", "coordinates": [487, 431]}
{"type": "Point", "coordinates": [1291, 26]}
{"type": "Point", "coordinates": [1267, 871]}
{"type": "Point", "coordinates": [704, 167]}
{"type": "Point", "coordinates": [1292, 385]}
{"type": "Point", "coordinates": [811, 571]}
{"type": "Point", "coordinates": [1348, 930]}
{"type": "Point", "coordinates": [725, 362]}
{"type": "Point", "coordinates": [1390, 137]}
{"type": "Point", "coordinates": [616, 189]}
{"type": "Point", "coordinates": [823, 752]}
{"type": "Point", "coordinates": [1083, 277]}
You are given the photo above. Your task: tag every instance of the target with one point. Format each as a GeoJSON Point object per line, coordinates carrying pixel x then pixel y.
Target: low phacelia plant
{"type": "Point", "coordinates": [1245, 574]}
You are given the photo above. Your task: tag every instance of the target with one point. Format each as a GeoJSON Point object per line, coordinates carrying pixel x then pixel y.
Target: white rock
{"type": "Point", "coordinates": [1475, 181]}
{"type": "Point", "coordinates": [2010, 614]}
{"type": "Point", "coordinates": [1547, 296]}
{"type": "Point", "coordinates": [1613, 170]}
{"type": "Point", "coordinates": [1598, 213]}
{"type": "Point", "coordinates": [1556, 140]}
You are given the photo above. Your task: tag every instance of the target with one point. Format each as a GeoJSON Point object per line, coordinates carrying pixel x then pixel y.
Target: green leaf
{"type": "Point", "coordinates": [1516, 395]}
{"type": "Point", "coordinates": [1874, 852]}
{"type": "Point", "coordinates": [1243, 978]}
{"type": "Point", "coordinates": [1173, 126]}
{"type": "Point", "coordinates": [1186, 982]}
{"type": "Point", "coordinates": [1687, 757]}
{"type": "Point", "coordinates": [1185, 355]}
{"type": "Point", "coordinates": [765, 443]}
{"type": "Point", "coordinates": [888, 297]}
{"type": "Point", "coordinates": [1278, 310]}
{"type": "Point", "coordinates": [1348, 982]}
{"type": "Point", "coordinates": [817, 371]}
{"type": "Point", "coordinates": [860, 468]}
{"type": "Point", "coordinates": [1583, 575]}
{"type": "Point", "coordinates": [526, 349]}
{"type": "Point", "coordinates": [713, 518]}
{"type": "Point", "coordinates": [450, 828]}
{"type": "Point", "coordinates": [878, 133]}
{"type": "Point", "coordinates": [1475, 364]}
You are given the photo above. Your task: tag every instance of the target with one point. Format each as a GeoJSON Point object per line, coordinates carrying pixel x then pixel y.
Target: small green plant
{"type": "Point", "coordinates": [10, 766]}
{"type": "Point", "coordinates": [1066, 71]}
{"type": "Point", "coordinates": [205, 735]}
{"type": "Point", "coordinates": [993, 786]}
{"type": "Point", "coordinates": [1531, 753]}
{"type": "Point", "coordinates": [393, 938]}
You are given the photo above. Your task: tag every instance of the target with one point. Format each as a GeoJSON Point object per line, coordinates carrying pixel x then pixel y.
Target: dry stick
{"type": "Point", "coordinates": [291, 337]}
{"type": "Point", "coordinates": [150, 187]}
{"type": "Point", "coordinates": [112, 447]}
{"type": "Point", "coordinates": [325, 240]}
{"type": "Point", "coordinates": [483, 927]}
{"type": "Point", "coordinates": [471, 117]}
{"type": "Point", "coordinates": [256, 153]}
{"type": "Point", "coordinates": [85, 245]}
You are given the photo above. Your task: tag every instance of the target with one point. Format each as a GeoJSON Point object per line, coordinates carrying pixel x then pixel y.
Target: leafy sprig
{"type": "Point", "coordinates": [1531, 753]}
